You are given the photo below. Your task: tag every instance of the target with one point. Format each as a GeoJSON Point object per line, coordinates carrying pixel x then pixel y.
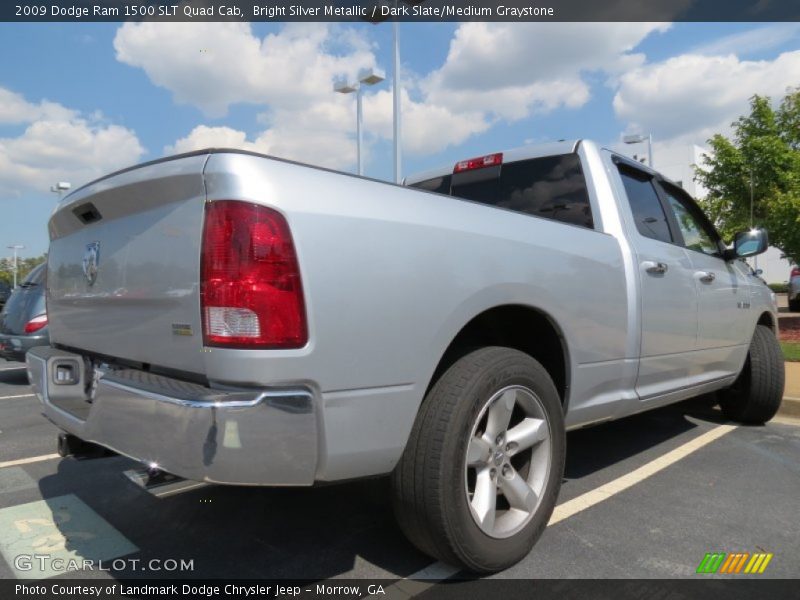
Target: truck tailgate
{"type": "Point", "coordinates": [124, 265]}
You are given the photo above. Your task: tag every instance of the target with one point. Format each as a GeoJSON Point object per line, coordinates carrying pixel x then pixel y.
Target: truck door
{"type": "Point", "coordinates": [723, 290]}
{"type": "Point", "coordinates": [668, 295]}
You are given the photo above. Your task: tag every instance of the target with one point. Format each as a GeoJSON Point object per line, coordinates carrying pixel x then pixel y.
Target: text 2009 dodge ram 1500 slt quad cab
{"type": "Point", "coordinates": [239, 319]}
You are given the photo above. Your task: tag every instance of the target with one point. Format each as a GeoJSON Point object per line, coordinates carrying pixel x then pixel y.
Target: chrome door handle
{"type": "Point", "coordinates": [706, 276]}
{"type": "Point", "coordinates": [656, 268]}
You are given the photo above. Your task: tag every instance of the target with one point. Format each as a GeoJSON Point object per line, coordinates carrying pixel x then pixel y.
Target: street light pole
{"type": "Point", "coordinates": [751, 198]}
{"type": "Point", "coordinates": [398, 157]}
{"type": "Point", "coordinates": [359, 134]}
{"type": "Point", "coordinates": [365, 77]}
{"type": "Point", "coordinates": [15, 247]}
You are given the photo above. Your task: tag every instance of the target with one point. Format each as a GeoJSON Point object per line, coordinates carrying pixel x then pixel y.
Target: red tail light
{"type": "Point", "coordinates": [36, 323]}
{"type": "Point", "coordinates": [490, 160]}
{"type": "Point", "coordinates": [795, 272]}
{"type": "Point", "coordinates": [251, 293]}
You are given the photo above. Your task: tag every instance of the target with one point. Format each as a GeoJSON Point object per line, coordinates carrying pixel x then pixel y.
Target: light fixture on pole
{"type": "Point", "coordinates": [638, 139]}
{"type": "Point", "coordinates": [60, 187]}
{"type": "Point", "coordinates": [15, 247]}
{"type": "Point", "coordinates": [365, 77]}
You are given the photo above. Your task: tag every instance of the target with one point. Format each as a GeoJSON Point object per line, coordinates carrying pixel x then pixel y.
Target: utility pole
{"type": "Point", "coordinates": [15, 247]}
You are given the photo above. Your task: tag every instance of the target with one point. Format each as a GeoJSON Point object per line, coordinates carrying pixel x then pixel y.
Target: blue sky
{"type": "Point", "coordinates": [81, 99]}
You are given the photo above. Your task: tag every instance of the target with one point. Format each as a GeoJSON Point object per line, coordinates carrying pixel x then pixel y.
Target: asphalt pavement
{"type": "Point", "coordinates": [643, 497]}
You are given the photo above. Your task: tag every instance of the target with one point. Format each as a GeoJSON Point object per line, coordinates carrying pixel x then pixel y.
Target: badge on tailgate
{"type": "Point", "coordinates": [91, 262]}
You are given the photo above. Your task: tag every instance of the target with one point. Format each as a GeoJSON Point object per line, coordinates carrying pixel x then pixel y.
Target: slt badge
{"type": "Point", "coordinates": [91, 261]}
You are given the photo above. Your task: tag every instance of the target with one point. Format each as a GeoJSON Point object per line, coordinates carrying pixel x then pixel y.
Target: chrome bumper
{"type": "Point", "coordinates": [238, 437]}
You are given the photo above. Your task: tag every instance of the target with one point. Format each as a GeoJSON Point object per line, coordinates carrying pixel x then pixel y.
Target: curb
{"type": "Point", "coordinates": [790, 407]}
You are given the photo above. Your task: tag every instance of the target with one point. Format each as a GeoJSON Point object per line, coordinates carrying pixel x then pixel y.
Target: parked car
{"type": "Point", "coordinates": [23, 321]}
{"type": "Point", "coordinates": [5, 292]}
{"type": "Point", "coordinates": [293, 325]}
{"type": "Point", "coordinates": [793, 293]}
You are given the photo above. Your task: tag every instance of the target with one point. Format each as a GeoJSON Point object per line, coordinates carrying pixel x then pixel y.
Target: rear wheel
{"type": "Point", "coordinates": [756, 395]}
{"type": "Point", "coordinates": [480, 475]}
{"type": "Point", "coordinates": [794, 305]}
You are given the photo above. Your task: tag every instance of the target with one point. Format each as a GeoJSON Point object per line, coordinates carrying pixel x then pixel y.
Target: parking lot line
{"type": "Point", "coordinates": [17, 396]}
{"type": "Point", "coordinates": [589, 499]}
{"type": "Point", "coordinates": [425, 578]}
{"type": "Point", "coordinates": [27, 461]}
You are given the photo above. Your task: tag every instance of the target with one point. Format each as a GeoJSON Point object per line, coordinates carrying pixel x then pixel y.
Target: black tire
{"type": "Point", "coordinates": [430, 499]}
{"type": "Point", "coordinates": [794, 305]}
{"type": "Point", "coordinates": [756, 395]}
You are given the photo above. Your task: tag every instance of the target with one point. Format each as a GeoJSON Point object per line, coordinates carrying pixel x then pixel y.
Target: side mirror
{"type": "Point", "coordinates": [749, 243]}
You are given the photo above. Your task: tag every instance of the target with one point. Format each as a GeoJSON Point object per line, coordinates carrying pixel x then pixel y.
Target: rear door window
{"type": "Point", "coordinates": [648, 213]}
{"type": "Point", "coordinates": [698, 234]}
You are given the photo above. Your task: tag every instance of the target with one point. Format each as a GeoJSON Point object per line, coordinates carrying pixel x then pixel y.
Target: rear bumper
{"type": "Point", "coordinates": [239, 437]}
{"type": "Point", "coordinates": [14, 347]}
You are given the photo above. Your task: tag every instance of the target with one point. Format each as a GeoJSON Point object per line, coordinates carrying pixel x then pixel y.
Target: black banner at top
{"type": "Point", "coordinates": [403, 10]}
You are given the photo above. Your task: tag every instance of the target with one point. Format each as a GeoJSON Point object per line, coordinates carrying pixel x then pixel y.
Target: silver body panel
{"type": "Point", "coordinates": [390, 276]}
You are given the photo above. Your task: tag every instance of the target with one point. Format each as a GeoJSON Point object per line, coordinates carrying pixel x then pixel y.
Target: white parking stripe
{"type": "Point", "coordinates": [19, 396]}
{"type": "Point", "coordinates": [27, 461]}
{"type": "Point", "coordinates": [589, 499]}
{"type": "Point", "coordinates": [425, 578]}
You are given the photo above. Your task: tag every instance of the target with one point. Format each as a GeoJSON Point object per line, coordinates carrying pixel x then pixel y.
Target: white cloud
{"type": "Point", "coordinates": [428, 128]}
{"type": "Point", "coordinates": [687, 98]}
{"type": "Point", "coordinates": [214, 65]}
{"type": "Point", "coordinates": [58, 144]}
{"type": "Point", "coordinates": [203, 136]}
{"type": "Point", "coordinates": [752, 40]}
{"type": "Point", "coordinates": [512, 70]}
{"type": "Point", "coordinates": [329, 148]}
{"type": "Point", "coordinates": [14, 109]}
{"type": "Point", "coordinates": [492, 71]}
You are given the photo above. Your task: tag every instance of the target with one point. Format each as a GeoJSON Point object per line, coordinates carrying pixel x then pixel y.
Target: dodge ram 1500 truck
{"type": "Point", "coordinates": [239, 319]}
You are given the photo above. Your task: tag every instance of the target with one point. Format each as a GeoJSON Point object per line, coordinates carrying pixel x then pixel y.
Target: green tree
{"type": "Point", "coordinates": [24, 266]}
{"type": "Point", "coordinates": [763, 153]}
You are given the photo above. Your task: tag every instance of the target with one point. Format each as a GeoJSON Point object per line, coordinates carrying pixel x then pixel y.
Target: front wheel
{"type": "Point", "coordinates": [481, 472]}
{"type": "Point", "coordinates": [756, 395]}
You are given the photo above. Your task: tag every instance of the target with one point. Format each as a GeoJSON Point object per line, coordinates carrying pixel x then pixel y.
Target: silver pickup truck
{"type": "Point", "coordinates": [238, 319]}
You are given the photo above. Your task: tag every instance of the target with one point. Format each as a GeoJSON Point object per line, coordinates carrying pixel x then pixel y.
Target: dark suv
{"type": "Point", "coordinates": [23, 321]}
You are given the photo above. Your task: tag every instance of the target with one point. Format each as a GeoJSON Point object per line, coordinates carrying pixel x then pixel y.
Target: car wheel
{"type": "Point", "coordinates": [480, 475]}
{"type": "Point", "coordinates": [756, 395]}
{"type": "Point", "coordinates": [794, 305]}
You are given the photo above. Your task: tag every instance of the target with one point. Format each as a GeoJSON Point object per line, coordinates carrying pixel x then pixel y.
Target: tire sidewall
{"type": "Point", "coordinates": [497, 553]}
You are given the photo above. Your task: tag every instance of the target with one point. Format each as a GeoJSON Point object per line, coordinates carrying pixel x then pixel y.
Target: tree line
{"type": "Point", "coordinates": [24, 266]}
{"type": "Point", "coordinates": [760, 162]}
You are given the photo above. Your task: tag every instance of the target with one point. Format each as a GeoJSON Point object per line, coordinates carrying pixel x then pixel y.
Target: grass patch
{"type": "Point", "coordinates": [791, 351]}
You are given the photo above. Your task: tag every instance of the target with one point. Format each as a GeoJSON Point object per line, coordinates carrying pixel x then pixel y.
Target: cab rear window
{"type": "Point", "coordinates": [551, 187]}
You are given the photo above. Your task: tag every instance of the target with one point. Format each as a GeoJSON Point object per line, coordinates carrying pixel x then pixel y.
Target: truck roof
{"type": "Point", "coordinates": [512, 155]}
